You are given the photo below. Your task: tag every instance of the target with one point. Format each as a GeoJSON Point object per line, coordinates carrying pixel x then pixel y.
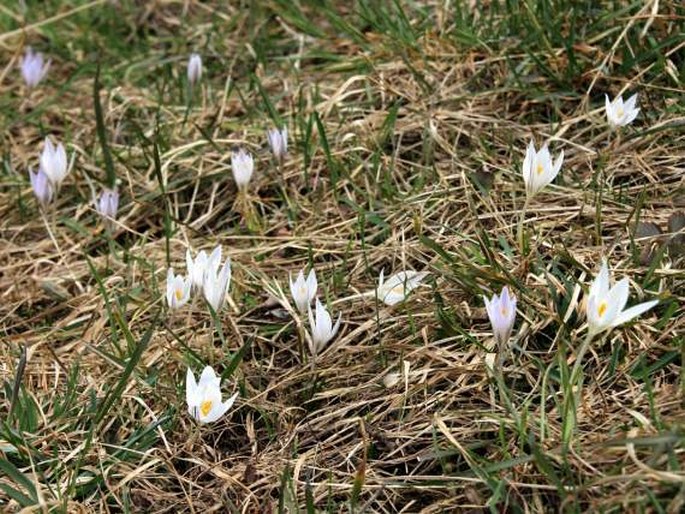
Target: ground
{"type": "Point", "coordinates": [408, 125]}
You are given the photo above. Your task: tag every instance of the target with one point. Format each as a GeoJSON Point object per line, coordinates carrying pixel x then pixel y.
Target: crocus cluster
{"type": "Point", "coordinates": [322, 330]}
{"type": "Point", "coordinates": [52, 170]}
{"type": "Point", "coordinates": [321, 325]}
{"type": "Point", "coordinates": [205, 276]}
{"type": "Point", "coordinates": [605, 307]}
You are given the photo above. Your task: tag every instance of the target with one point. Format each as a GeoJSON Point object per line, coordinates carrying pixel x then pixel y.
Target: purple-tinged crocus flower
{"type": "Point", "coordinates": [278, 141]}
{"type": "Point", "coordinates": [108, 204]}
{"type": "Point", "coordinates": [194, 68]}
{"type": "Point", "coordinates": [41, 185]}
{"type": "Point", "coordinates": [33, 67]}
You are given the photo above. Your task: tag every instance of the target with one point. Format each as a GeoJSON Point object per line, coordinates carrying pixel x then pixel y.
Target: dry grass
{"type": "Point", "coordinates": [407, 141]}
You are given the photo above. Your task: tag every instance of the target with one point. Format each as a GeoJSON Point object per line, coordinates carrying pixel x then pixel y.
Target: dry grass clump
{"type": "Point", "coordinates": [408, 128]}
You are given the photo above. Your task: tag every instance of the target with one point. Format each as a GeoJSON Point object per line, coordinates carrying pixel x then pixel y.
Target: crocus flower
{"type": "Point", "coordinates": [278, 141]}
{"type": "Point", "coordinates": [194, 68]}
{"type": "Point", "coordinates": [303, 291]}
{"type": "Point", "coordinates": [538, 170]}
{"type": "Point", "coordinates": [204, 398]}
{"type": "Point", "coordinates": [33, 67]}
{"type": "Point", "coordinates": [606, 304]}
{"type": "Point", "coordinates": [53, 161]}
{"type": "Point", "coordinates": [177, 289]}
{"type": "Point", "coordinates": [502, 313]}
{"type": "Point", "coordinates": [242, 166]}
{"type": "Point", "coordinates": [108, 203]}
{"type": "Point", "coordinates": [620, 114]}
{"type": "Point", "coordinates": [321, 327]}
{"type": "Point", "coordinates": [215, 282]}
{"type": "Point", "coordinates": [398, 286]}
{"type": "Point", "coordinates": [41, 185]}
{"type": "Point", "coordinates": [196, 267]}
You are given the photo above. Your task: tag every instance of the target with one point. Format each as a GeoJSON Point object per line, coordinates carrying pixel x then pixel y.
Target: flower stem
{"type": "Point", "coordinates": [573, 393]}
{"type": "Point", "coordinates": [519, 231]}
{"type": "Point", "coordinates": [579, 357]}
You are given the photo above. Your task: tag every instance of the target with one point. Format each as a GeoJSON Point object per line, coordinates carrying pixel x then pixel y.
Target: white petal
{"type": "Point", "coordinates": [312, 284]}
{"type": "Point", "coordinates": [600, 286]}
{"type": "Point", "coordinates": [633, 312]}
{"type": "Point", "coordinates": [630, 103]}
{"type": "Point", "coordinates": [219, 409]}
{"type": "Point", "coordinates": [208, 378]}
{"type": "Point", "coordinates": [617, 297]}
{"type": "Point", "coordinates": [191, 388]}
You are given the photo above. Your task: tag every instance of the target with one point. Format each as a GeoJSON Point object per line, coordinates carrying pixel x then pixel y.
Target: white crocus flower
{"type": "Point", "coordinates": [242, 165]}
{"type": "Point", "coordinates": [620, 114]}
{"type": "Point", "coordinates": [177, 289]}
{"type": "Point", "coordinates": [606, 304]}
{"type": "Point", "coordinates": [502, 313]}
{"type": "Point", "coordinates": [216, 282]}
{"type": "Point", "coordinates": [53, 162]}
{"type": "Point", "coordinates": [538, 169]}
{"type": "Point", "coordinates": [321, 328]}
{"type": "Point", "coordinates": [278, 141]}
{"type": "Point", "coordinates": [303, 291]}
{"type": "Point", "coordinates": [196, 268]}
{"type": "Point", "coordinates": [194, 68]}
{"type": "Point", "coordinates": [398, 286]}
{"type": "Point", "coordinates": [204, 397]}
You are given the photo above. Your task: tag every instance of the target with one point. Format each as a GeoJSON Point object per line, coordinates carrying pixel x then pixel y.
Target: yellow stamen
{"type": "Point", "coordinates": [179, 294]}
{"type": "Point", "coordinates": [539, 168]}
{"type": "Point", "coordinates": [398, 289]}
{"type": "Point", "coordinates": [503, 311]}
{"type": "Point", "coordinates": [619, 112]}
{"type": "Point", "coordinates": [602, 309]}
{"type": "Point", "coordinates": [205, 407]}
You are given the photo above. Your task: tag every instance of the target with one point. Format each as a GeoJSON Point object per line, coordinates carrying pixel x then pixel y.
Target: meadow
{"type": "Point", "coordinates": [408, 132]}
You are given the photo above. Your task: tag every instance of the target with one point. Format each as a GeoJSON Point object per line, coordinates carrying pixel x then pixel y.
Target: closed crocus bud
{"type": "Point", "coordinates": [278, 141]}
{"type": "Point", "coordinates": [204, 397]}
{"type": "Point", "coordinates": [242, 166]}
{"type": "Point", "coordinates": [538, 170]}
{"type": "Point", "coordinates": [620, 114]}
{"type": "Point", "coordinates": [108, 204]}
{"type": "Point", "coordinates": [53, 161]}
{"type": "Point", "coordinates": [398, 286]}
{"type": "Point", "coordinates": [41, 186]}
{"type": "Point", "coordinates": [303, 291]}
{"type": "Point", "coordinates": [177, 290]}
{"type": "Point", "coordinates": [196, 268]}
{"type": "Point", "coordinates": [502, 313]}
{"type": "Point", "coordinates": [216, 281]}
{"type": "Point", "coordinates": [33, 67]}
{"type": "Point", "coordinates": [194, 68]}
{"type": "Point", "coordinates": [606, 305]}
{"type": "Point", "coordinates": [321, 328]}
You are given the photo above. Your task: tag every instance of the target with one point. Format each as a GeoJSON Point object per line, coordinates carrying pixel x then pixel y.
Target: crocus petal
{"type": "Point", "coordinates": [219, 409]}
{"type": "Point", "coordinates": [630, 103]}
{"type": "Point", "coordinates": [633, 312]}
{"type": "Point", "coordinates": [191, 388]}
